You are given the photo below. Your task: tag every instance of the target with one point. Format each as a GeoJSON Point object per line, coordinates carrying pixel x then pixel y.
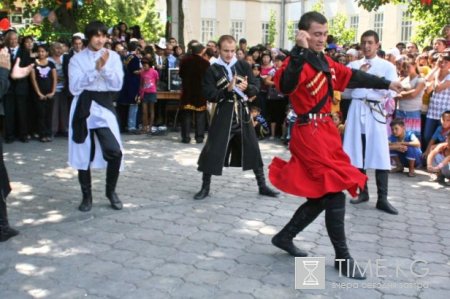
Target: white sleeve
{"type": "Point", "coordinates": [112, 73]}
{"type": "Point", "coordinates": [81, 76]}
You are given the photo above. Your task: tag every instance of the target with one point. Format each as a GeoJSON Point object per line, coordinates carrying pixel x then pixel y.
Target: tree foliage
{"type": "Point", "coordinates": [272, 28]}
{"type": "Point", "coordinates": [430, 17]}
{"type": "Point", "coordinates": [341, 33]}
{"type": "Point", "coordinates": [75, 18]}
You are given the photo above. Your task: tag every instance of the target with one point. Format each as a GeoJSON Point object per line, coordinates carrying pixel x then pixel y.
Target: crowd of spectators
{"type": "Point", "coordinates": [37, 107]}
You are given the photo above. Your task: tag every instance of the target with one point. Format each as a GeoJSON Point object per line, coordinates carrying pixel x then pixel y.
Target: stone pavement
{"type": "Point", "coordinates": [163, 244]}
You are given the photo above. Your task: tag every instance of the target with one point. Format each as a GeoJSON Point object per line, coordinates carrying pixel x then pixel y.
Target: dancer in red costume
{"type": "Point", "coordinates": [318, 169]}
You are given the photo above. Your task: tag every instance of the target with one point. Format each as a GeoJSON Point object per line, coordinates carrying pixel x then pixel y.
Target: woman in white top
{"type": "Point", "coordinates": [410, 100]}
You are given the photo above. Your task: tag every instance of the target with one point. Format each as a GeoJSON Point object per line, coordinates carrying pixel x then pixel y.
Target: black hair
{"type": "Point", "coordinates": [132, 46]}
{"type": "Point", "coordinates": [242, 41]}
{"type": "Point", "coordinates": [444, 113]}
{"type": "Point", "coordinates": [147, 61]}
{"type": "Point", "coordinates": [308, 18]}
{"type": "Point", "coordinates": [43, 46]}
{"type": "Point", "coordinates": [22, 42]}
{"type": "Point", "coordinates": [95, 28]}
{"type": "Point", "coordinates": [397, 122]}
{"type": "Point", "coordinates": [371, 33]}
{"type": "Point", "coordinates": [197, 48]}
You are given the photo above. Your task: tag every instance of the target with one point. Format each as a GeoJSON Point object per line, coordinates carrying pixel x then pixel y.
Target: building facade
{"type": "Point", "coordinates": [208, 19]}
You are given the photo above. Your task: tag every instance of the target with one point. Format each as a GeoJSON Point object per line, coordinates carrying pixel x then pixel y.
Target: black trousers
{"type": "Point", "coordinates": [16, 122]}
{"type": "Point", "coordinates": [200, 123]}
{"type": "Point", "coordinates": [4, 180]}
{"type": "Point", "coordinates": [45, 116]}
{"type": "Point", "coordinates": [109, 146]}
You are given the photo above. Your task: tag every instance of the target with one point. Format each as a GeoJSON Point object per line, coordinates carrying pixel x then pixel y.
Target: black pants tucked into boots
{"type": "Point", "coordinates": [334, 206]}
{"type": "Point", "coordinates": [113, 155]}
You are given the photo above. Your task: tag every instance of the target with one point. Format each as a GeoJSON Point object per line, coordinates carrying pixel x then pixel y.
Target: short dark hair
{"type": "Point", "coordinates": [197, 48]}
{"type": "Point", "coordinates": [227, 38]}
{"type": "Point", "coordinates": [369, 33]}
{"type": "Point", "coordinates": [397, 122]}
{"type": "Point", "coordinates": [95, 28]}
{"type": "Point", "coordinates": [242, 41]}
{"type": "Point", "coordinates": [309, 17]}
{"type": "Point", "coordinates": [43, 46]}
{"type": "Point", "coordinates": [445, 113]}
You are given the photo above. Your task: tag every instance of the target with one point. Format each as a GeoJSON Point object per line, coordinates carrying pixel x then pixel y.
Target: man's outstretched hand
{"type": "Point", "coordinates": [396, 86]}
{"type": "Point", "coordinates": [20, 72]}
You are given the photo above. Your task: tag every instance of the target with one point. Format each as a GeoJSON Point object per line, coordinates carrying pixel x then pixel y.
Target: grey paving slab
{"type": "Point", "coordinates": [163, 244]}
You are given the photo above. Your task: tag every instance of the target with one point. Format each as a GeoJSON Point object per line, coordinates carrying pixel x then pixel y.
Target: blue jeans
{"type": "Point", "coordinates": [132, 114]}
{"type": "Point", "coordinates": [430, 126]}
{"type": "Point", "coordinates": [412, 153]}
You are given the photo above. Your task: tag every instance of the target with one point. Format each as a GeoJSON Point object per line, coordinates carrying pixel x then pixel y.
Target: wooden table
{"type": "Point", "coordinates": [173, 99]}
{"type": "Point", "coordinates": [169, 95]}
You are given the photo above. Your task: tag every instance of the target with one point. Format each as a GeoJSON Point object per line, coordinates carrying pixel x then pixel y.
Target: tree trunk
{"type": "Point", "coordinates": [180, 23]}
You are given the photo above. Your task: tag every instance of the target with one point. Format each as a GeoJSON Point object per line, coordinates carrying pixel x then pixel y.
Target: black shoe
{"type": "Point", "coordinates": [116, 204]}
{"type": "Point", "coordinates": [86, 205]}
{"type": "Point", "coordinates": [202, 194]}
{"type": "Point", "coordinates": [6, 232]}
{"type": "Point", "coordinates": [348, 264]}
{"type": "Point", "coordinates": [287, 244]}
{"type": "Point", "coordinates": [384, 205]}
{"type": "Point", "coordinates": [185, 140]}
{"type": "Point", "coordinates": [9, 140]}
{"type": "Point", "coordinates": [266, 191]}
{"type": "Point", "coordinates": [199, 140]}
{"type": "Point", "coordinates": [362, 197]}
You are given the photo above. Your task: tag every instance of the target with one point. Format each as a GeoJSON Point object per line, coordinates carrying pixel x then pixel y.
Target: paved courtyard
{"type": "Point", "coordinates": [163, 244]}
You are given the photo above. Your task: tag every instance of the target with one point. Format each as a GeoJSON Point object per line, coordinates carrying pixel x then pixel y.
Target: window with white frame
{"type": "Point", "coordinates": [265, 33]}
{"type": "Point", "coordinates": [406, 27]}
{"type": "Point", "coordinates": [378, 24]}
{"type": "Point", "coordinates": [237, 29]}
{"type": "Point", "coordinates": [354, 24]}
{"type": "Point", "coordinates": [208, 30]}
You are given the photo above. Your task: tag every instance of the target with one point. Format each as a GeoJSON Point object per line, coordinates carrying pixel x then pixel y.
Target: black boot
{"type": "Point", "coordinates": [382, 186]}
{"type": "Point", "coordinates": [304, 215]}
{"type": "Point", "coordinates": [206, 183]}
{"type": "Point", "coordinates": [112, 176]}
{"type": "Point", "coordinates": [334, 221]}
{"type": "Point", "coordinates": [363, 194]}
{"type": "Point", "coordinates": [84, 177]}
{"type": "Point", "coordinates": [6, 232]}
{"type": "Point", "coordinates": [261, 180]}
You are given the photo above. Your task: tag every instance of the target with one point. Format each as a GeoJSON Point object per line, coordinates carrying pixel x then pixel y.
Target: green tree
{"type": "Point", "coordinates": [272, 28]}
{"type": "Point", "coordinates": [431, 18]}
{"type": "Point", "coordinates": [319, 7]}
{"type": "Point", "coordinates": [141, 12]}
{"type": "Point", "coordinates": [291, 30]}
{"type": "Point", "coordinates": [339, 30]}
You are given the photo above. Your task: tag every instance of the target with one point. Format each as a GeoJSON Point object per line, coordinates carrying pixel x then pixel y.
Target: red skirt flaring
{"type": "Point", "coordinates": [318, 164]}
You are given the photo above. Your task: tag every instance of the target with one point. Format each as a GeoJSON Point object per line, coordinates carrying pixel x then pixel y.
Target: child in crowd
{"type": "Point", "coordinates": [440, 133]}
{"type": "Point", "coordinates": [337, 119]}
{"type": "Point", "coordinates": [404, 147]}
{"type": "Point", "coordinates": [439, 160]}
{"type": "Point", "coordinates": [44, 80]}
{"type": "Point", "coordinates": [260, 124]}
{"type": "Point", "coordinates": [147, 93]}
